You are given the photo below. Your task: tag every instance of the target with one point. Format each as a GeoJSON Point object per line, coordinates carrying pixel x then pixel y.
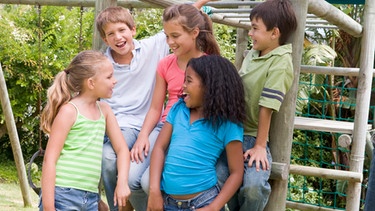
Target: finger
{"type": "Point", "coordinates": [132, 155]}
{"type": "Point", "coordinates": [140, 156]}
{"type": "Point", "coordinates": [264, 165]}
{"type": "Point", "coordinates": [268, 165]}
{"type": "Point", "coordinates": [257, 165]}
{"type": "Point", "coordinates": [147, 148]}
{"type": "Point", "coordinates": [115, 200]}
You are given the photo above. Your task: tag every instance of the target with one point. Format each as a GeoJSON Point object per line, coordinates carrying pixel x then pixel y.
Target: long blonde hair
{"type": "Point", "coordinates": [68, 83]}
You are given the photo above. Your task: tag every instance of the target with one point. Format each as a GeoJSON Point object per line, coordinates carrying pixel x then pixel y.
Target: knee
{"type": "Point", "coordinates": [256, 190]}
{"type": "Point", "coordinates": [145, 181]}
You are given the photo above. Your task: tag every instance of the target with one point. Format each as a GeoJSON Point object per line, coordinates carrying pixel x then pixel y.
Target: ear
{"type": "Point", "coordinates": [134, 31]}
{"type": "Point", "coordinates": [275, 33]}
{"type": "Point", "coordinates": [90, 83]}
{"type": "Point", "coordinates": [195, 32]}
{"type": "Point", "coordinates": [105, 40]}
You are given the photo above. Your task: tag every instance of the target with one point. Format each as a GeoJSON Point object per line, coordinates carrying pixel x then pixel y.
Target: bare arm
{"type": "Point", "coordinates": [200, 3]}
{"type": "Point", "coordinates": [155, 200]}
{"type": "Point", "coordinates": [122, 191]}
{"type": "Point", "coordinates": [234, 181]}
{"type": "Point", "coordinates": [152, 118]}
{"type": "Point", "coordinates": [59, 131]}
{"type": "Point", "coordinates": [259, 153]}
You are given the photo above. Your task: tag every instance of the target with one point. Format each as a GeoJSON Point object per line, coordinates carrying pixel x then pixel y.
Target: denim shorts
{"type": "Point", "coordinates": [73, 199]}
{"type": "Point", "coordinates": [199, 201]}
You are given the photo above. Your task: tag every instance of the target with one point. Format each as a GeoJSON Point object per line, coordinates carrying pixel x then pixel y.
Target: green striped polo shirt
{"type": "Point", "coordinates": [79, 164]}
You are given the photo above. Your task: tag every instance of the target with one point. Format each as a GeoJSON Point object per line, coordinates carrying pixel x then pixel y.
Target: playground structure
{"type": "Point", "coordinates": [284, 122]}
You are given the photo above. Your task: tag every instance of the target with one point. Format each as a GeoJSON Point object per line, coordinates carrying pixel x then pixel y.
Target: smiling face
{"type": "Point", "coordinates": [119, 37]}
{"type": "Point", "coordinates": [263, 40]}
{"type": "Point", "coordinates": [103, 82]}
{"type": "Point", "coordinates": [180, 41]}
{"type": "Point", "coordinates": [193, 89]}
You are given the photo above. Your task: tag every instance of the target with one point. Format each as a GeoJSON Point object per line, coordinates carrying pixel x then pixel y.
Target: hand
{"type": "Point", "coordinates": [259, 155]}
{"type": "Point", "coordinates": [155, 202]}
{"type": "Point", "coordinates": [121, 195]}
{"type": "Point", "coordinates": [140, 146]}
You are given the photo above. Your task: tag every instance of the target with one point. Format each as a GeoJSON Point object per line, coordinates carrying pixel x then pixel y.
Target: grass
{"type": "Point", "coordinates": [10, 190]}
{"type": "Point", "coordinates": [11, 198]}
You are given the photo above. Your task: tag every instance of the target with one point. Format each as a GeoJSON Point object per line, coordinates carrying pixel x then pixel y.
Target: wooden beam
{"type": "Point", "coordinates": [217, 18]}
{"type": "Point", "coordinates": [281, 131]}
{"type": "Point", "coordinates": [306, 207]}
{"type": "Point", "coordinates": [14, 140]}
{"type": "Point", "coordinates": [328, 12]}
{"type": "Point", "coordinates": [279, 171]}
{"type": "Point", "coordinates": [326, 125]}
{"type": "Point", "coordinates": [363, 104]}
{"type": "Point", "coordinates": [326, 173]}
{"type": "Point", "coordinates": [79, 3]}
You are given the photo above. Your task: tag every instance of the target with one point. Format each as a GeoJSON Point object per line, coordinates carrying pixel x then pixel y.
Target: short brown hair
{"type": "Point", "coordinates": [113, 15]}
{"type": "Point", "coordinates": [276, 13]}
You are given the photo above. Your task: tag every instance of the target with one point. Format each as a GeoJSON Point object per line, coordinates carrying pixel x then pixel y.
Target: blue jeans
{"type": "Point", "coordinates": [138, 173]}
{"type": "Point", "coordinates": [255, 190]}
{"type": "Point", "coordinates": [199, 201]}
{"type": "Point", "coordinates": [370, 193]}
{"type": "Point", "coordinates": [73, 199]}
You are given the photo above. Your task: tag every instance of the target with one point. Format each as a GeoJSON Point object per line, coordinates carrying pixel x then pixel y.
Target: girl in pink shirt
{"type": "Point", "coordinates": [189, 35]}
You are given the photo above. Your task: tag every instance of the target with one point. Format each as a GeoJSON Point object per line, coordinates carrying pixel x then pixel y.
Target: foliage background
{"type": "Point", "coordinates": [38, 42]}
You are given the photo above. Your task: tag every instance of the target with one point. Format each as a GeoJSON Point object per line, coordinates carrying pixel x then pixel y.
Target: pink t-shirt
{"type": "Point", "coordinates": [174, 77]}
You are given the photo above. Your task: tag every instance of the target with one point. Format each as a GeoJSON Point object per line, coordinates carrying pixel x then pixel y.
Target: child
{"type": "Point", "coordinates": [189, 35]}
{"type": "Point", "coordinates": [76, 122]}
{"type": "Point", "coordinates": [205, 121]}
{"type": "Point", "coordinates": [135, 64]}
{"type": "Point", "coordinates": [267, 74]}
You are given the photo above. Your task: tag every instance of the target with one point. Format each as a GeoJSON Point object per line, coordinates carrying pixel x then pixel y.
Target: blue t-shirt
{"type": "Point", "coordinates": [193, 151]}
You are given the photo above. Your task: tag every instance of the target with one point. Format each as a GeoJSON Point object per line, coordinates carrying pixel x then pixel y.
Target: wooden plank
{"type": "Point", "coordinates": [326, 173]}
{"type": "Point", "coordinates": [306, 207]}
{"type": "Point", "coordinates": [305, 123]}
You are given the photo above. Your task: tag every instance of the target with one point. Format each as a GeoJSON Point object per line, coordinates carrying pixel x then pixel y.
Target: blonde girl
{"type": "Point", "coordinates": [76, 122]}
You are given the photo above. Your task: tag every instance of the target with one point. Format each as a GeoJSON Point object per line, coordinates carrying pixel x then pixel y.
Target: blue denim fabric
{"type": "Point", "coordinates": [255, 190]}
{"type": "Point", "coordinates": [138, 179]}
{"type": "Point", "coordinates": [202, 200]}
{"type": "Point", "coordinates": [370, 193]}
{"type": "Point", "coordinates": [73, 199]}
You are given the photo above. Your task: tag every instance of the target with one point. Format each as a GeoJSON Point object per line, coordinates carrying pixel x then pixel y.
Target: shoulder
{"type": "Point", "coordinates": [104, 107]}
{"type": "Point", "coordinates": [68, 109]}
{"type": "Point", "coordinates": [168, 59]}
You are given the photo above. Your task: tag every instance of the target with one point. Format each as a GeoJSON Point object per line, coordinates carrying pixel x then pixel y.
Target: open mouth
{"type": "Point", "coordinates": [121, 44]}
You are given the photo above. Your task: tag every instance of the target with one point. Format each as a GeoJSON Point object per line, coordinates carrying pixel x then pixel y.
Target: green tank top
{"type": "Point", "coordinates": [79, 164]}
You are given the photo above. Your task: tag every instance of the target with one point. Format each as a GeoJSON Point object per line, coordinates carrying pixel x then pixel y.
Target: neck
{"type": "Point", "coordinates": [122, 59]}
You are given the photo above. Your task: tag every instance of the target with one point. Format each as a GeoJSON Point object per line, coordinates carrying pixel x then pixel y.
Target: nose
{"type": "Point", "coordinates": [117, 36]}
{"type": "Point", "coordinates": [170, 41]}
{"type": "Point", "coordinates": [250, 33]}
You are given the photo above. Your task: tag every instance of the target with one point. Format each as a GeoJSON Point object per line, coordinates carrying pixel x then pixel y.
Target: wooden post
{"type": "Point", "coordinates": [281, 131]}
{"type": "Point", "coordinates": [14, 140]}
{"type": "Point", "coordinates": [241, 44]}
{"type": "Point", "coordinates": [363, 103]}
{"type": "Point", "coordinates": [97, 43]}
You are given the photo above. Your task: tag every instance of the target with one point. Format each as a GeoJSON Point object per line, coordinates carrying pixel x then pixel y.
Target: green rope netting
{"type": "Point", "coordinates": [333, 98]}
